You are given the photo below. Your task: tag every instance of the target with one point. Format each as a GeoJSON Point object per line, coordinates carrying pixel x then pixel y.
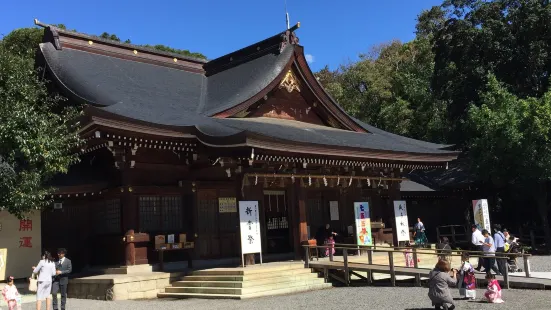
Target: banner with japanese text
{"type": "Point", "coordinates": [402, 224]}
{"type": "Point", "coordinates": [20, 244]}
{"type": "Point", "coordinates": [249, 216]}
{"type": "Point", "coordinates": [481, 214]}
{"type": "Point", "coordinates": [363, 223]}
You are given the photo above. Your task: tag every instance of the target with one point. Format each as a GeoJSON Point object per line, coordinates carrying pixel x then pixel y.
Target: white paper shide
{"type": "Point", "coordinates": [401, 215]}
{"type": "Point", "coordinates": [249, 216]}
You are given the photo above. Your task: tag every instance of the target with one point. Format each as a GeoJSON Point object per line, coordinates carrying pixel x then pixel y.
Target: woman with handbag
{"type": "Point", "coordinates": [45, 270]}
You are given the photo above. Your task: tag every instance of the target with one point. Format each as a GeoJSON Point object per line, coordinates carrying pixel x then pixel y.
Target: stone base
{"type": "Point", "coordinates": [136, 269]}
{"type": "Point", "coordinates": [122, 286]}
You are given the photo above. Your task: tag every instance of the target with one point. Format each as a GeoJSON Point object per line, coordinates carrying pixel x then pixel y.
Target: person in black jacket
{"type": "Point", "coordinates": [63, 269]}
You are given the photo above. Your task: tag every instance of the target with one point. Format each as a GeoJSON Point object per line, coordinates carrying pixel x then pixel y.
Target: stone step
{"type": "Point", "coordinates": [257, 269]}
{"type": "Point", "coordinates": [214, 282]}
{"type": "Point", "coordinates": [238, 275]}
{"type": "Point", "coordinates": [244, 291]}
{"type": "Point", "coordinates": [273, 292]}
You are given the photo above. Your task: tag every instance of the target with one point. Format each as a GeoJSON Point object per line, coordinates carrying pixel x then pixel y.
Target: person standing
{"type": "Point", "coordinates": [500, 240]}
{"type": "Point", "coordinates": [489, 253]}
{"type": "Point", "coordinates": [45, 271]}
{"type": "Point", "coordinates": [64, 268]}
{"type": "Point", "coordinates": [477, 240]}
{"type": "Point", "coordinates": [419, 235]}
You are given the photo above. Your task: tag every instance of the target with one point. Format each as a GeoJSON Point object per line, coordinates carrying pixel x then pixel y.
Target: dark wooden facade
{"type": "Point", "coordinates": [167, 136]}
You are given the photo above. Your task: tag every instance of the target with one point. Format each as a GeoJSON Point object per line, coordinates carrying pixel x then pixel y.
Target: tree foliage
{"type": "Point", "coordinates": [397, 95]}
{"type": "Point", "coordinates": [477, 76]}
{"type": "Point", "coordinates": [37, 130]}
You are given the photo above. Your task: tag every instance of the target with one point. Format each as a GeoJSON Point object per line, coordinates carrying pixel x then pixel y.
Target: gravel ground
{"type": "Point", "coordinates": [537, 263]}
{"type": "Point", "coordinates": [386, 298]}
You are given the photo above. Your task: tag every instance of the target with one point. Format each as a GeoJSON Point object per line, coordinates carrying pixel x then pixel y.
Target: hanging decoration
{"type": "Point", "coordinates": [309, 180]}
{"type": "Point", "coordinates": [324, 181]}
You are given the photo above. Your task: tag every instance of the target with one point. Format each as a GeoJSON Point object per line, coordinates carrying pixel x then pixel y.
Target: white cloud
{"type": "Point", "coordinates": [309, 58]}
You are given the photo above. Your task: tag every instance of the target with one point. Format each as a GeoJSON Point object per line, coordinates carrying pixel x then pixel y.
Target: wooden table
{"type": "Point", "coordinates": [161, 256]}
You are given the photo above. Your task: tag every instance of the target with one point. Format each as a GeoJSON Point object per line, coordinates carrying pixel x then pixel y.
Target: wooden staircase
{"type": "Point", "coordinates": [240, 283]}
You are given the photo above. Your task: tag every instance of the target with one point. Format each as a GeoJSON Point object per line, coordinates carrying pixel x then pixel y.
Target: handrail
{"type": "Point", "coordinates": [419, 250]}
{"type": "Point", "coordinates": [392, 269]}
{"type": "Point", "coordinates": [415, 251]}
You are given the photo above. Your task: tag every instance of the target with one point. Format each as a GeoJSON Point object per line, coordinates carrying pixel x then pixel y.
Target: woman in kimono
{"type": "Point", "coordinates": [467, 279]}
{"type": "Point", "coordinates": [419, 233]}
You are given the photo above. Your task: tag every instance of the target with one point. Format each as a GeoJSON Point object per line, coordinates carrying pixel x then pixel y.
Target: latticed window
{"type": "Point", "coordinates": [172, 213]}
{"type": "Point", "coordinates": [107, 217]}
{"type": "Point", "coordinates": [160, 213]}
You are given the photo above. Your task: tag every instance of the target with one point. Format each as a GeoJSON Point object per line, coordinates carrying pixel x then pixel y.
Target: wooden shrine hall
{"type": "Point", "coordinates": [173, 142]}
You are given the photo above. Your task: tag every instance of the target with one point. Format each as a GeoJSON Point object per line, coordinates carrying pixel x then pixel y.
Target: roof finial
{"type": "Point", "coordinates": [287, 15]}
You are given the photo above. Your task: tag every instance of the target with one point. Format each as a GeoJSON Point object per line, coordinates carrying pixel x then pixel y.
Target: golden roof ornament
{"type": "Point", "coordinates": [290, 82]}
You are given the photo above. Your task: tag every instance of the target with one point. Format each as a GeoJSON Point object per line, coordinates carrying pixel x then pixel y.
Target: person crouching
{"type": "Point", "coordinates": [439, 286]}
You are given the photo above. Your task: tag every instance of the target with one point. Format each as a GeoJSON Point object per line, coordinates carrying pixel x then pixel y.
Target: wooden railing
{"type": "Point", "coordinates": [346, 248]}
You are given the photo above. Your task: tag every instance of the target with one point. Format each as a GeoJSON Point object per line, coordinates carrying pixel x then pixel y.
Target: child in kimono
{"type": "Point", "coordinates": [493, 293]}
{"type": "Point", "coordinates": [11, 295]}
{"type": "Point", "coordinates": [409, 256]}
{"type": "Point", "coordinates": [467, 279]}
{"type": "Point", "coordinates": [330, 246]}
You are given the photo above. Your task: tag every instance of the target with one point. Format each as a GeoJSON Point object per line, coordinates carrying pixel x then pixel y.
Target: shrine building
{"type": "Point", "coordinates": [173, 142]}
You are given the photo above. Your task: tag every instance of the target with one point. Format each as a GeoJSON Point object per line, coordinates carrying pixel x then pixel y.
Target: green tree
{"type": "Point", "coordinates": [397, 96]}
{"type": "Point", "coordinates": [37, 131]}
{"type": "Point", "coordinates": [509, 38]}
{"type": "Point", "coordinates": [510, 143]}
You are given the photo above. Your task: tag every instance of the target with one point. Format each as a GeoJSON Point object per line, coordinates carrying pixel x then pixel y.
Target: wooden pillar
{"type": "Point", "coordinates": [394, 194]}
{"type": "Point", "coordinates": [300, 225]}
{"type": "Point", "coordinates": [129, 202]}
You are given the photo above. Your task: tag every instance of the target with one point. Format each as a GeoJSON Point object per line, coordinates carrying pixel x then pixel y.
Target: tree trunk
{"type": "Point", "coordinates": [543, 211]}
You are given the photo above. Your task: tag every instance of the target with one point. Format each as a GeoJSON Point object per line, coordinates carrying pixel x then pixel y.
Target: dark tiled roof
{"type": "Point", "coordinates": [235, 85]}
{"type": "Point", "coordinates": [309, 133]}
{"type": "Point", "coordinates": [107, 81]}
{"type": "Point", "coordinates": [169, 96]}
{"type": "Point", "coordinates": [456, 176]}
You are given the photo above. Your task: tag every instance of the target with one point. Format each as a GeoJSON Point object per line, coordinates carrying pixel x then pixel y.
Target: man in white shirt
{"type": "Point", "coordinates": [477, 240]}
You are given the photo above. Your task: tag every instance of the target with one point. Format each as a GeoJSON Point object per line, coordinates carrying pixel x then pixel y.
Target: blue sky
{"type": "Point", "coordinates": [332, 32]}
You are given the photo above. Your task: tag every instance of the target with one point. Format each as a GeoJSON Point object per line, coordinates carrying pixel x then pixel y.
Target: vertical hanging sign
{"type": "Point", "coordinates": [363, 223]}
{"type": "Point", "coordinates": [249, 217]}
{"type": "Point", "coordinates": [401, 215]}
{"type": "Point", "coordinates": [481, 214]}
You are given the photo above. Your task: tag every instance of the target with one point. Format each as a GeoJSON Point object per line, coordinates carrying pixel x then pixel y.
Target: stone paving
{"type": "Point", "coordinates": [336, 298]}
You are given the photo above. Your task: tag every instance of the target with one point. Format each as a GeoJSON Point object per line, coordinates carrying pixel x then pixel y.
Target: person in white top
{"type": "Point", "coordinates": [477, 240]}
{"type": "Point", "coordinates": [46, 271]}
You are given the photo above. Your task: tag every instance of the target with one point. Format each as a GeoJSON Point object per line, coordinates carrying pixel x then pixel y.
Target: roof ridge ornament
{"type": "Point", "coordinates": [289, 37]}
{"type": "Point", "coordinates": [290, 82]}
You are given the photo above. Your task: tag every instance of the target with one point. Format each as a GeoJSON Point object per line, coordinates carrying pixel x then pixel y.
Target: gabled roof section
{"type": "Point", "coordinates": [133, 85]}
